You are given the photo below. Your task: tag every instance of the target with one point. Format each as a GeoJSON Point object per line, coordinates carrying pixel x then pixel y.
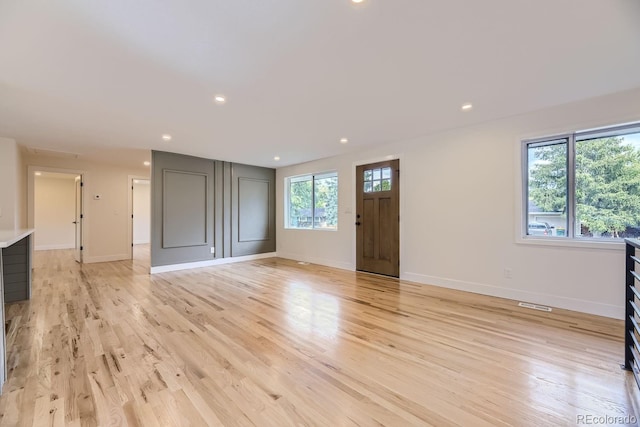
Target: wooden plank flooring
{"type": "Point", "coordinates": [274, 343]}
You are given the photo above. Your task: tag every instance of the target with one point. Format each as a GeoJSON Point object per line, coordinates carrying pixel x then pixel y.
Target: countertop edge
{"type": "Point", "coordinates": [9, 237]}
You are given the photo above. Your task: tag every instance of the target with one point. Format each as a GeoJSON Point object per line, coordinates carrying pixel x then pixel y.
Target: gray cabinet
{"type": "Point", "coordinates": [15, 279]}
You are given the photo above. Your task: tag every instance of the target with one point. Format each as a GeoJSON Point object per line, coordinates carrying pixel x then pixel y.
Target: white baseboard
{"type": "Point", "coordinates": [574, 304]}
{"type": "Point", "coordinates": [315, 260]}
{"type": "Point", "coordinates": [208, 263]}
{"type": "Point", "coordinates": [54, 247]}
{"type": "Point", "coordinates": [105, 258]}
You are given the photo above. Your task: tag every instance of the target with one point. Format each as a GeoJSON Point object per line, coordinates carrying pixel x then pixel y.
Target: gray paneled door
{"type": "Point", "coordinates": [252, 210]}
{"type": "Point", "coordinates": [182, 202]}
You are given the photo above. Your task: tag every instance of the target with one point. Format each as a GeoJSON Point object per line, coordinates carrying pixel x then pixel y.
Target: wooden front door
{"type": "Point", "coordinates": [378, 218]}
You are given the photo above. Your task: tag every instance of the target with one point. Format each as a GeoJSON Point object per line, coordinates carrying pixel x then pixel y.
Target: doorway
{"type": "Point", "coordinates": [57, 211]}
{"type": "Point", "coordinates": [140, 219]}
{"type": "Point", "coordinates": [78, 216]}
{"type": "Point", "coordinates": [378, 218]}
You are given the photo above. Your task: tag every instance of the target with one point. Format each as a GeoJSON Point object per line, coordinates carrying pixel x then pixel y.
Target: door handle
{"type": "Point", "coordinates": [74, 222]}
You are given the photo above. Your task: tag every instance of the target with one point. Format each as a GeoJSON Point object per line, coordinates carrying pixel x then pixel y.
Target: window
{"type": "Point", "coordinates": [583, 185]}
{"type": "Point", "coordinates": [312, 201]}
{"type": "Point", "coordinates": [377, 180]}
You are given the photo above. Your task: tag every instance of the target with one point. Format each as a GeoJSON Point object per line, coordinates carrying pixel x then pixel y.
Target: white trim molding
{"type": "Point", "coordinates": [208, 263]}
{"type": "Point", "coordinates": [314, 260]}
{"type": "Point", "coordinates": [574, 304]}
{"type": "Point", "coordinates": [55, 247]}
{"type": "Point", "coordinates": [104, 258]}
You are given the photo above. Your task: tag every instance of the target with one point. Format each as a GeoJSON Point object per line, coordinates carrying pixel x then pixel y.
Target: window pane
{"type": "Point", "coordinates": [326, 197]}
{"type": "Point", "coordinates": [547, 189]}
{"type": "Point", "coordinates": [386, 173]}
{"type": "Point", "coordinates": [300, 199]}
{"type": "Point", "coordinates": [368, 187]}
{"type": "Point", "coordinates": [376, 186]}
{"type": "Point", "coordinates": [367, 175]}
{"type": "Point", "coordinates": [376, 174]}
{"type": "Point", "coordinates": [386, 184]}
{"type": "Point", "coordinates": [608, 187]}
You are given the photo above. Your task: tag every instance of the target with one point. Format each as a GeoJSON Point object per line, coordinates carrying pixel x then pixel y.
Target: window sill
{"type": "Point", "coordinates": [617, 245]}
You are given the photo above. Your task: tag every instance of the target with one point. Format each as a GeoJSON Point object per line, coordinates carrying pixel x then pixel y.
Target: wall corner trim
{"type": "Point", "coordinates": [208, 263]}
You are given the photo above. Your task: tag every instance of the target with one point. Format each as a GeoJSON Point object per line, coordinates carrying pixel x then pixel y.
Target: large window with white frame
{"type": "Point", "coordinates": [583, 185]}
{"type": "Point", "coordinates": [311, 201]}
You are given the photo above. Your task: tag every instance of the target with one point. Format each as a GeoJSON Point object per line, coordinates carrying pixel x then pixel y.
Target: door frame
{"type": "Point", "coordinates": [352, 210]}
{"type": "Point", "coordinates": [79, 216]}
{"type": "Point", "coordinates": [130, 179]}
{"type": "Point", "coordinates": [31, 170]}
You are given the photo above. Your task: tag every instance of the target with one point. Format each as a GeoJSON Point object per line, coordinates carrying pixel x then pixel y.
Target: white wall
{"type": "Point", "coordinates": [10, 168]}
{"type": "Point", "coordinates": [21, 189]}
{"type": "Point", "coordinates": [106, 225]}
{"type": "Point", "coordinates": [141, 212]}
{"type": "Point", "coordinates": [54, 212]}
{"type": "Point", "coordinates": [460, 213]}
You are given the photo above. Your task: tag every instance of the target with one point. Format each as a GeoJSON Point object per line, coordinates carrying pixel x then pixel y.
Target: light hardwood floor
{"type": "Point", "coordinates": [274, 343]}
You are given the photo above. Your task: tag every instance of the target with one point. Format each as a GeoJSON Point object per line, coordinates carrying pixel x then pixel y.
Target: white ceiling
{"type": "Point", "coordinates": [97, 77]}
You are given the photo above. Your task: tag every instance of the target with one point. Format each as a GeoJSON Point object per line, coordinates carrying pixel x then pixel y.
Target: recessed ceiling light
{"type": "Point", "coordinates": [343, 140]}
{"type": "Point", "coordinates": [220, 99]}
{"type": "Point", "coordinates": [166, 137]}
{"type": "Point", "coordinates": [276, 158]}
{"type": "Point", "coordinates": [38, 173]}
{"type": "Point", "coordinates": [466, 107]}
{"type": "Point", "coordinates": [147, 163]}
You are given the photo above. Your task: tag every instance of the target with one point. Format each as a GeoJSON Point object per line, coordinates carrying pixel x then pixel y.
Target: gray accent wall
{"type": "Point", "coordinates": [199, 204]}
{"type": "Point", "coordinates": [181, 208]}
{"type": "Point", "coordinates": [184, 209]}
{"type": "Point", "coordinates": [252, 210]}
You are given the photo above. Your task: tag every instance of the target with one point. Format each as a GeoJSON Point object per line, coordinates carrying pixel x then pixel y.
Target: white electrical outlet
{"type": "Point", "coordinates": [213, 250]}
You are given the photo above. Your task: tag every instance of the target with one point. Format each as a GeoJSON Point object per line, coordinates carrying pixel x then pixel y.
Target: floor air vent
{"type": "Point", "coordinates": [534, 306]}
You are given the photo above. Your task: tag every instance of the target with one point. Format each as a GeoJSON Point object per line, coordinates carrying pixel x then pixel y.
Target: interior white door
{"type": "Point", "coordinates": [78, 219]}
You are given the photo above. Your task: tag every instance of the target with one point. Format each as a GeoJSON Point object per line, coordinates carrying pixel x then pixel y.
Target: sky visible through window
{"type": "Point", "coordinates": [633, 139]}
